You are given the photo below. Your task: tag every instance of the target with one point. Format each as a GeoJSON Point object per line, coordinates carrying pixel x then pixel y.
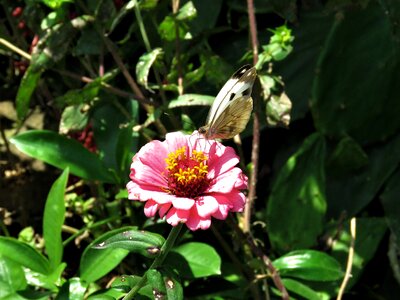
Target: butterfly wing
{"type": "Point", "coordinates": [232, 120]}
{"type": "Point", "coordinates": [239, 85]}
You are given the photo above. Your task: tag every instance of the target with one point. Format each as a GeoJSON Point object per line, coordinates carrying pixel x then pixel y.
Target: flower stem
{"type": "Point", "coordinates": [166, 247]}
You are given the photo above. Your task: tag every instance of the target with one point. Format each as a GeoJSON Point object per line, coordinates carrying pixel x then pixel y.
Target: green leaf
{"type": "Point", "coordinates": [81, 96]}
{"type": "Point", "coordinates": [172, 284]}
{"type": "Point", "coordinates": [24, 254]}
{"type": "Point", "coordinates": [300, 289]}
{"type": "Point", "coordinates": [107, 123]}
{"type": "Point", "coordinates": [187, 12]}
{"type": "Point", "coordinates": [309, 265]}
{"type": "Point", "coordinates": [138, 241]}
{"type": "Point", "coordinates": [52, 19]}
{"type": "Point", "coordinates": [156, 281]}
{"type": "Point", "coordinates": [391, 204]}
{"type": "Point", "coordinates": [207, 15]}
{"type": "Point", "coordinates": [311, 33]}
{"type": "Point", "coordinates": [191, 100]}
{"type": "Point", "coordinates": [296, 215]}
{"type": "Point", "coordinates": [129, 6]}
{"type": "Point", "coordinates": [54, 44]}
{"type": "Point", "coordinates": [77, 288]}
{"type": "Point", "coordinates": [346, 108]}
{"type": "Point", "coordinates": [96, 263]}
{"type": "Point", "coordinates": [170, 29]}
{"type": "Point", "coordinates": [54, 4]}
{"type": "Point", "coordinates": [144, 64]}
{"type": "Point", "coordinates": [107, 294]}
{"type": "Point", "coordinates": [89, 43]}
{"type": "Point", "coordinates": [62, 152]}
{"type": "Point", "coordinates": [346, 157]}
{"type": "Point", "coordinates": [125, 282]}
{"type": "Point", "coordinates": [126, 147]}
{"type": "Point", "coordinates": [12, 275]}
{"type": "Point", "coordinates": [53, 219]}
{"type": "Point", "coordinates": [369, 234]}
{"type": "Point", "coordinates": [47, 281]}
{"type": "Point", "coordinates": [73, 118]}
{"type": "Point", "coordinates": [352, 191]}
{"type": "Point", "coordinates": [195, 260]}
{"type": "Point", "coordinates": [278, 110]}
{"type": "Point", "coordinates": [25, 90]}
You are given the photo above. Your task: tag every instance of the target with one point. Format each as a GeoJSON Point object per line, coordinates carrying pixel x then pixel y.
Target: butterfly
{"type": "Point", "coordinates": [231, 109]}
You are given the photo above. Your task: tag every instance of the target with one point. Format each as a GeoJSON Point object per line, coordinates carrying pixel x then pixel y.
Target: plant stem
{"type": "Point", "coordinates": [15, 49]}
{"type": "Point", "coordinates": [166, 247]}
{"type": "Point", "coordinates": [350, 259]}
{"type": "Point", "coordinates": [256, 126]}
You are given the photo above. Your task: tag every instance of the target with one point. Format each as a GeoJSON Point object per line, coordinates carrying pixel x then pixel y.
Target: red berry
{"type": "Point", "coordinates": [21, 25]}
{"type": "Point", "coordinates": [17, 11]}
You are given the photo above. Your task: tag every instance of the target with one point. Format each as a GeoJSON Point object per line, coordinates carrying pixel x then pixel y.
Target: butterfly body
{"type": "Point", "coordinates": [231, 110]}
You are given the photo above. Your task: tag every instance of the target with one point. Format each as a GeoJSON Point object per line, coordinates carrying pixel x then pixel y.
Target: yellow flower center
{"type": "Point", "coordinates": [187, 175]}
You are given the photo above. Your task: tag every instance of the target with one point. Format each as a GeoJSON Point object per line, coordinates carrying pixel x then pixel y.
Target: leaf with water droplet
{"type": "Point", "coordinates": [138, 241]}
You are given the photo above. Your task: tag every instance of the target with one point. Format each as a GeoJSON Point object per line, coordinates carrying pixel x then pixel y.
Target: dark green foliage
{"type": "Point", "coordinates": [108, 76]}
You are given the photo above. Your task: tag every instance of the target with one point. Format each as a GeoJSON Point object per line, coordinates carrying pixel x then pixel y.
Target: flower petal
{"type": "Point", "coordinates": [174, 141]}
{"type": "Point", "coordinates": [206, 206]}
{"type": "Point", "coordinates": [225, 182]}
{"type": "Point", "coordinates": [144, 192]}
{"type": "Point", "coordinates": [150, 208]}
{"type": "Point", "coordinates": [221, 160]}
{"type": "Point", "coordinates": [175, 216]}
{"type": "Point", "coordinates": [183, 203]}
{"type": "Point", "coordinates": [196, 222]}
{"type": "Point", "coordinates": [164, 209]}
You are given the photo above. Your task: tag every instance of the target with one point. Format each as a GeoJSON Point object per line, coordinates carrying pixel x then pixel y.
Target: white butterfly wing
{"type": "Point", "coordinates": [232, 107]}
{"type": "Point", "coordinates": [240, 84]}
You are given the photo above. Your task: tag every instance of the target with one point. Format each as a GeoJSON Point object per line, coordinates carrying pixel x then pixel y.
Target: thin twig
{"type": "Point", "coordinates": [256, 126]}
{"type": "Point", "coordinates": [85, 79]}
{"type": "Point", "coordinates": [350, 258]}
{"type": "Point", "coordinates": [15, 49]}
{"type": "Point", "coordinates": [175, 8]}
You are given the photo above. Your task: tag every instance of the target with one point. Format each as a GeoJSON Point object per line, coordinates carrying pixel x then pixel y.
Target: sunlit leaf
{"type": "Point", "coordinates": [53, 219]}
{"type": "Point", "coordinates": [195, 260]}
{"type": "Point", "coordinates": [62, 152]}
{"type": "Point", "coordinates": [24, 254]}
{"type": "Point", "coordinates": [309, 265]}
{"type": "Point", "coordinates": [144, 64]}
{"type": "Point", "coordinates": [301, 208]}
{"type": "Point", "coordinates": [138, 241]}
{"type": "Point", "coordinates": [95, 263]}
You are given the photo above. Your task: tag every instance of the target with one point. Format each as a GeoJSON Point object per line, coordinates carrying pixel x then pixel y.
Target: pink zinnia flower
{"type": "Point", "coordinates": [187, 179]}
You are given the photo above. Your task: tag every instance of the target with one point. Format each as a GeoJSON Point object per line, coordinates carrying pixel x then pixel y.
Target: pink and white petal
{"type": "Point", "coordinates": [235, 200]}
{"type": "Point", "coordinates": [222, 162]}
{"type": "Point", "coordinates": [150, 208]}
{"type": "Point", "coordinates": [137, 192]}
{"type": "Point", "coordinates": [222, 212]}
{"type": "Point", "coordinates": [195, 222]}
{"type": "Point", "coordinates": [164, 209]}
{"type": "Point", "coordinates": [175, 216]}
{"type": "Point", "coordinates": [225, 183]}
{"type": "Point", "coordinates": [238, 201]}
{"type": "Point", "coordinates": [183, 203]}
{"type": "Point", "coordinates": [206, 206]}
{"type": "Point", "coordinates": [147, 157]}
{"type": "Point", "coordinates": [175, 140]}
{"type": "Point", "coordinates": [241, 182]}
